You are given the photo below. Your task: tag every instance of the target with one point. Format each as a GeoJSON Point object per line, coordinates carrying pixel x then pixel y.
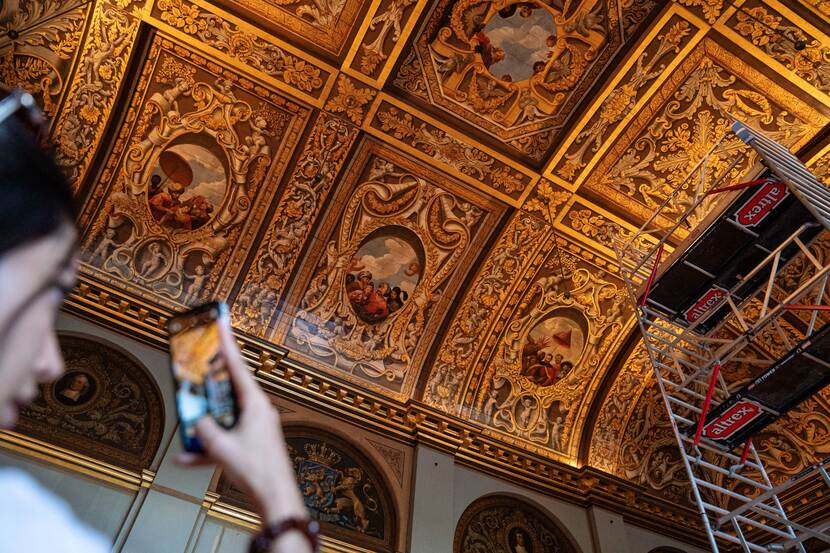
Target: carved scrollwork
{"type": "Point", "coordinates": [325, 24]}
{"type": "Point", "coordinates": [505, 524]}
{"type": "Point", "coordinates": [777, 37]}
{"type": "Point", "coordinates": [383, 33]}
{"type": "Point", "coordinates": [463, 340]}
{"type": "Point", "coordinates": [243, 46]}
{"type": "Point", "coordinates": [442, 146]}
{"type": "Point", "coordinates": [296, 213]}
{"type": "Point", "coordinates": [520, 102]}
{"type": "Point", "coordinates": [666, 144]}
{"type": "Point", "coordinates": [198, 156]}
{"type": "Point", "coordinates": [550, 351]}
{"type": "Point", "coordinates": [92, 93]}
{"type": "Point", "coordinates": [399, 241]}
{"type": "Point", "coordinates": [650, 65]}
{"type": "Point", "coordinates": [38, 45]}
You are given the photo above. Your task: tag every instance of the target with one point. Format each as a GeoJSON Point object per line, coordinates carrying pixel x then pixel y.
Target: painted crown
{"type": "Point", "coordinates": [322, 454]}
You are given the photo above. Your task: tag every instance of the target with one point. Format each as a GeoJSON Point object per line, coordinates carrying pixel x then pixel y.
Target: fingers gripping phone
{"type": "Point", "coordinates": [200, 370]}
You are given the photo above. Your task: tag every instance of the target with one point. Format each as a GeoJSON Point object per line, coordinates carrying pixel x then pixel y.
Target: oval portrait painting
{"type": "Point", "coordinates": [187, 187]}
{"type": "Point", "coordinates": [554, 346]}
{"type": "Point", "coordinates": [383, 273]}
{"type": "Point", "coordinates": [75, 388]}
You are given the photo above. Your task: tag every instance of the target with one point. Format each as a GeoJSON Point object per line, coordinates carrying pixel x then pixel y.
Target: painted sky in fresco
{"type": "Point", "coordinates": [523, 41]}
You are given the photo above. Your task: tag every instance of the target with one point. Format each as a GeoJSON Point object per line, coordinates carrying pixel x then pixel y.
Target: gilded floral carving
{"type": "Point", "coordinates": [296, 213]}
{"type": "Point", "coordinates": [552, 347]}
{"type": "Point", "coordinates": [820, 6]}
{"type": "Point", "coordinates": [633, 377]}
{"type": "Point", "coordinates": [384, 274]}
{"type": "Point", "coordinates": [546, 200]}
{"type": "Point", "coordinates": [619, 103]}
{"type": "Point", "coordinates": [91, 95]}
{"type": "Point", "coordinates": [777, 37]}
{"type": "Point", "coordinates": [186, 195]}
{"type": "Point", "coordinates": [487, 295]}
{"type": "Point", "coordinates": [445, 148]}
{"type": "Point", "coordinates": [324, 25]}
{"type": "Point", "coordinates": [523, 107]}
{"type": "Point", "coordinates": [383, 33]}
{"type": "Point", "coordinates": [667, 140]}
{"type": "Point", "coordinates": [246, 47]}
{"type": "Point", "coordinates": [351, 100]}
{"type": "Point", "coordinates": [711, 9]}
{"type": "Point", "coordinates": [821, 169]}
{"type": "Point", "coordinates": [38, 46]}
{"type": "Point", "coordinates": [594, 226]}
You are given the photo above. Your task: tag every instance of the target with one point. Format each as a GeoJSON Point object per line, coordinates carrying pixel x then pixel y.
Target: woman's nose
{"type": "Point", "coordinates": [50, 361]}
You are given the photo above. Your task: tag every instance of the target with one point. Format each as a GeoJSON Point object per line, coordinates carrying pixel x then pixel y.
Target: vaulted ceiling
{"type": "Point", "coordinates": [418, 196]}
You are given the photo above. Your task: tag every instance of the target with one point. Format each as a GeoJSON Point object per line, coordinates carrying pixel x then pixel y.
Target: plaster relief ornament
{"type": "Point", "coordinates": [399, 240]}
{"type": "Point", "coordinates": [513, 67]}
{"type": "Point", "coordinates": [185, 186]}
{"type": "Point", "coordinates": [38, 43]}
{"type": "Point", "coordinates": [548, 355]}
{"type": "Point", "coordinates": [521, 56]}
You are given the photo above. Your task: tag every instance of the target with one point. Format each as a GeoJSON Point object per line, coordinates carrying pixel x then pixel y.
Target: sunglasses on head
{"type": "Point", "coordinates": [22, 106]}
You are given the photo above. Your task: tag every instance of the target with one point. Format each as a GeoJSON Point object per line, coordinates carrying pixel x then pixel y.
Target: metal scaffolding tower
{"type": "Point", "coordinates": [709, 278]}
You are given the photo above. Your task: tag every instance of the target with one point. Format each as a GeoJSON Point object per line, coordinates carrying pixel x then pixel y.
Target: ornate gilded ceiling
{"type": "Point", "coordinates": [418, 197]}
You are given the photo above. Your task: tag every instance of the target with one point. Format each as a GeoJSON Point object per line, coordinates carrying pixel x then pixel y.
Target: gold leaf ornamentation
{"type": "Point", "coordinates": [350, 100]}
{"type": "Point", "coordinates": [388, 25]}
{"type": "Point", "coordinates": [480, 306]}
{"type": "Point", "coordinates": [239, 44]}
{"type": "Point", "coordinates": [456, 65]}
{"type": "Point", "coordinates": [447, 149]}
{"type": "Point", "coordinates": [91, 95]}
{"type": "Point", "coordinates": [770, 32]}
{"type": "Point", "coordinates": [621, 100]}
{"type": "Point", "coordinates": [297, 210]}
{"type": "Point", "coordinates": [711, 8]}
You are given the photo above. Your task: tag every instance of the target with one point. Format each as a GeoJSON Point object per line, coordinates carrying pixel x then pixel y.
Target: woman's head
{"type": "Point", "coordinates": [37, 252]}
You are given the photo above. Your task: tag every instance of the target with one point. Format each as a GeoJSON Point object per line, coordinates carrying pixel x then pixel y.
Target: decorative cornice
{"type": "Point", "coordinates": [77, 462]}
{"type": "Point", "coordinates": [409, 422]}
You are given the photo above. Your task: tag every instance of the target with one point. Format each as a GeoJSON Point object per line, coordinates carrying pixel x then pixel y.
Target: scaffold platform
{"type": "Point", "coordinates": [710, 276]}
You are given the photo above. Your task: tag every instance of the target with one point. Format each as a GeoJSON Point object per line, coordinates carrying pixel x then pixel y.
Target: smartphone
{"type": "Point", "coordinates": [200, 370]}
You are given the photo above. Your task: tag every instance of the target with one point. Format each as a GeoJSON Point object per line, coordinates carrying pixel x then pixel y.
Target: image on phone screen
{"type": "Point", "coordinates": [203, 383]}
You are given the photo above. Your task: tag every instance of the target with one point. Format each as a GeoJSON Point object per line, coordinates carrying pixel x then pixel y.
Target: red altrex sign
{"type": "Point", "coordinates": [732, 420]}
{"type": "Point", "coordinates": [709, 300]}
{"type": "Point", "coordinates": [762, 203]}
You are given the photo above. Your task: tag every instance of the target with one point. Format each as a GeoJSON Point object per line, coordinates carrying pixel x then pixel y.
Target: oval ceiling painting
{"type": "Point", "coordinates": [554, 346]}
{"type": "Point", "coordinates": [187, 187]}
{"type": "Point", "coordinates": [517, 42]}
{"type": "Point", "coordinates": [384, 272]}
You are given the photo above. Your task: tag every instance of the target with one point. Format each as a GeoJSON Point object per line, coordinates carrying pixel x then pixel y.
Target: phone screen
{"type": "Point", "coordinates": [203, 383]}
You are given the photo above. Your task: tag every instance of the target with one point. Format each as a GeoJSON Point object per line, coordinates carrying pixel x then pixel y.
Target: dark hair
{"type": "Point", "coordinates": [36, 197]}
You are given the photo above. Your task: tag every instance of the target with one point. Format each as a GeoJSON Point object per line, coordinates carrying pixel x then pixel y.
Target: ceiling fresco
{"type": "Point", "coordinates": [418, 197]}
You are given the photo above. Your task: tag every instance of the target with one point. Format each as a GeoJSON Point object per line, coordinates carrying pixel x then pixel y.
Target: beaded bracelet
{"type": "Point", "coordinates": [263, 541]}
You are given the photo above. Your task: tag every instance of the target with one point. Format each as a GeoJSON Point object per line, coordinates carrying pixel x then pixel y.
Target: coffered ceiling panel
{"type": "Point", "coordinates": [186, 184]}
{"type": "Point", "coordinates": [514, 70]}
{"type": "Point", "coordinates": [396, 242]}
{"type": "Point", "coordinates": [679, 124]}
{"type": "Point", "coordinates": [323, 26]}
{"type": "Point", "coordinates": [536, 367]}
{"type": "Point", "coordinates": [39, 45]}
